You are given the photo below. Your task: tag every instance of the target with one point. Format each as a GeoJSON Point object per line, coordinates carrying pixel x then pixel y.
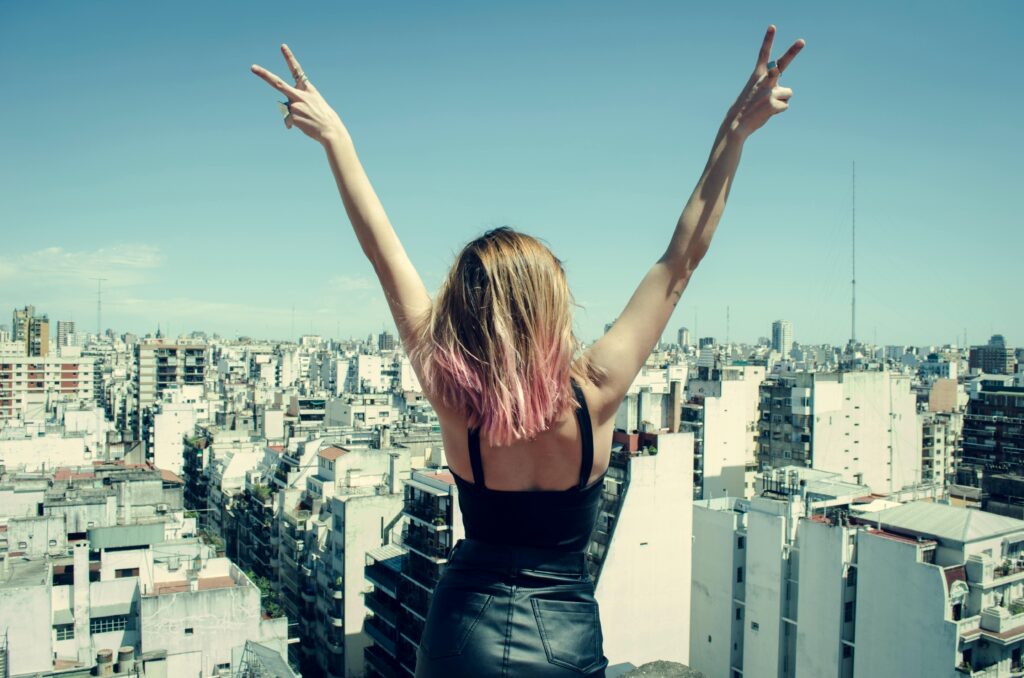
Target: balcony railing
{"type": "Point", "coordinates": [386, 637]}
{"type": "Point", "coordinates": [382, 663]}
{"type": "Point", "coordinates": [383, 576]}
{"type": "Point", "coordinates": [383, 607]}
{"type": "Point", "coordinates": [427, 511]}
{"type": "Point", "coordinates": [422, 571]}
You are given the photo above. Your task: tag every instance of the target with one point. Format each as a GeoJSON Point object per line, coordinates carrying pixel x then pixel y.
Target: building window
{"type": "Point", "coordinates": [189, 631]}
{"type": "Point", "coordinates": [65, 631]}
{"type": "Point", "coordinates": [117, 622]}
{"type": "Point", "coordinates": [739, 613]}
{"type": "Point", "coordinates": [741, 542]}
{"type": "Point", "coordinates": [754, 626]}
{"type": "Point", "coordinates": [226, 666]}
{"type": "Point", "coordinates": [847, 651]}
{"type": "Point", "coordinates": [851, 577]}
{"type": "Point", "coordinates": [739, 575]}
{"type": "Point", "coordinates": [126, 572]}
{"type": "Point", "coordinates": [848, 611]}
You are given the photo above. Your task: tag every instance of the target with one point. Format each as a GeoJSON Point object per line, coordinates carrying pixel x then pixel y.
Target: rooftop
{"type": "Point", "coordinates": [182, 586]}
{"type": "Point", "coordinates": [952, 523]}
{"type": "Point", "coordinates": [24, 572]}
{"type": "Point", "coordinates": [332, 453]}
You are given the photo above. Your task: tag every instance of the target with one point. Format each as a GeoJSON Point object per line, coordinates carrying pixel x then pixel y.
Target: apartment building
{"type": "Point", "coordinates": [862, 425]}
{"type": "Point", "coordinates": [812, 577]}
{"type": "Point", "coordinates": [31, 386]}
{"type": "Point", "coordinates": [162, 364]}
{"type": "Point", "coordinates": [722, 413]}
{"type": "Point", "coordinates": [163, 608]}
{"type": "Point", "coordinates": [404, 574]}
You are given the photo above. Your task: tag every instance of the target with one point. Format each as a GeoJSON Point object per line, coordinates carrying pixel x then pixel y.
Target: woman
{"type": "Point", "coordinates": [526, 423]}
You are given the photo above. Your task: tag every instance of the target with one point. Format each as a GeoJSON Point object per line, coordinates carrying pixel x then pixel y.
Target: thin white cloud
{"type": "Point", "coordinates": [350, 283]}
{"type": "Point", "coordinates": [124, 264]}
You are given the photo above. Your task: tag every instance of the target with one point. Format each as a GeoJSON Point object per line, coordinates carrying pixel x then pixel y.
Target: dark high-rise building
{"type": "Point", "coordinates": [993, 435]}
{"type": "Point", "coordinates": [386, 341]}
{"type": "Point", "coordinates": [993, 358]}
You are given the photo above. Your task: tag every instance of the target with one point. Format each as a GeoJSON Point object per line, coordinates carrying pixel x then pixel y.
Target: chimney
{"type": "Point", "coordinates": [80, 599]}
{"type": "Point", "coordinates": [675, 400]}
{"type": "Point", "coordinates": [393, 485]}
{"type": "Point", "coordinates": [104, 663]}
{"type": "Point", "coordinates": [125, 660]}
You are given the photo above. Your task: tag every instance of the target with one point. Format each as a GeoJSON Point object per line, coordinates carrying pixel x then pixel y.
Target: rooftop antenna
{"type": "Point", "coordinates": [99, 305]}
{"type": "Point", "coordinates": [853, 240]}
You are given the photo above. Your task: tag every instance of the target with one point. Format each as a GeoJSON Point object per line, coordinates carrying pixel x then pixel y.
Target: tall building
{"type": "Point", "coordinates": [993, 433]}
{"type": "Point", "coordinates": [683, 337]}
{"type": "Point", "coordinates": [807, 579]}
{"type": "Point", "coordinates": [993, 358]}
{"type": "Point", "coordinates": [162, 365]}
{"type": "Point", "coordinates": [782, 337]}
{"type": "Point", "coordinates": [65, 328]}
{"type": "Point", "coordinates": [386, 341]}
{"type": "Point", "coordinates": [722, 413]}
{"type": "Point", "coordinates": [862, 425]}
{"type": "Point", "coordinates": [37, 337]}
{"type": "Point", "coordinates": [19, 322]}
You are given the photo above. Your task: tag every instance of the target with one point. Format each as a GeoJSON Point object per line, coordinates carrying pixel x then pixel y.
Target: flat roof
{"type": "Point", "coordinates": [23, 573]}
{"type": "Point", "coordinates": [953, 523]}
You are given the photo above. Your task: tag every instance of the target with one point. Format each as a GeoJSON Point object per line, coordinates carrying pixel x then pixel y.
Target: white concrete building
{"type": "Point", "coordinates": [862, 425]}
{"type": "Point", "coordinates": [30, 387]}
{"type": "Point", "coordinates": [643, 581]}
{"type": "Point", "coordinates": [807, 579]}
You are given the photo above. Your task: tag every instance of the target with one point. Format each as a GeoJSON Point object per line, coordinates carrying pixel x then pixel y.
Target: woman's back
{"type": "Point", "coordinates": [548, 462]}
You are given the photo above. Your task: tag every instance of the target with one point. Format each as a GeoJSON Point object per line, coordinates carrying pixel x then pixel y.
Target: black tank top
{"type": "Point", "coordinates": [556, 519]}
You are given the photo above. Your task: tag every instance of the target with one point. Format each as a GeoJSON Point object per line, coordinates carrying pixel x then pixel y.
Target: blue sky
{"type": "Point", "coordinates": [135, 145]}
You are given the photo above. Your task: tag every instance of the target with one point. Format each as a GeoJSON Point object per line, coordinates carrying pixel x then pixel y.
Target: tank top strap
{"type": "Point", "coordinates": [474, 457]}
{"type": "Point", "coordinates": [586, 434]}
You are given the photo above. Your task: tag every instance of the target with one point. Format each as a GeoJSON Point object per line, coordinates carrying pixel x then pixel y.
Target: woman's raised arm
{"type": "Point", "coordinates": [622, 351]}
{"type": "Point", "coordinates": [307, 110]}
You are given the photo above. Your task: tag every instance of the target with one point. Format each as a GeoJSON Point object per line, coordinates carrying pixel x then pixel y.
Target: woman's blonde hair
{"type": "Point", "coordinates": [498, 346]}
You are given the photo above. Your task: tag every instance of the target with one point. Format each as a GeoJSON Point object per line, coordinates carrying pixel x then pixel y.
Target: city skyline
{"type": "Point", "coordinates": [175, 180]}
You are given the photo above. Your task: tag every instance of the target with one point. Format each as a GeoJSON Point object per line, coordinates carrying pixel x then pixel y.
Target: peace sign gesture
{"type": "Point", "coordinates": [304, 108]}
{"type": "Point", "coordinates": [761, 97]}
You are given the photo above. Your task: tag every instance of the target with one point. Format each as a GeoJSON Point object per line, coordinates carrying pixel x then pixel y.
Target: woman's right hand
{"type": "Point", "coordinates": [762, 97]}
{"type": "Point", "coordinates": [307, 109]}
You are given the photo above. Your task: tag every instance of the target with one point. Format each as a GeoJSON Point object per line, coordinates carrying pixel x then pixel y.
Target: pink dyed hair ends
{"type": "Point", "coordinates": [498, 346]}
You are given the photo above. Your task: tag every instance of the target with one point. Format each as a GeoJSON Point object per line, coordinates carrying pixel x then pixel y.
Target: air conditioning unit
{"type": "Point", "coordinates": [162, 508]}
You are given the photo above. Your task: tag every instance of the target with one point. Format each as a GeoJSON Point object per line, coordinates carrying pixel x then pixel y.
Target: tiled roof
{"type": "Point", "coordinates": [331, 453]}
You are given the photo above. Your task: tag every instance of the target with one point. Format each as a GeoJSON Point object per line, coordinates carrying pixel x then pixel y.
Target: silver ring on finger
{"type": "Point", "coordinates": [285, 108]}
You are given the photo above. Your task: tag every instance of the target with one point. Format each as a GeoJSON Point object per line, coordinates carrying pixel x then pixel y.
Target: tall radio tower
{"type": "Point", "coordinates": [99, 306]}
{"type": "Point", "coordinates": [853, 238]}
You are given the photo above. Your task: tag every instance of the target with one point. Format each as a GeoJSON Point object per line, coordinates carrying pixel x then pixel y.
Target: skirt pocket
{"type": "Point", "coordinates": [571, 632]}
{"type": "Point", "coordinates": [453, 615]}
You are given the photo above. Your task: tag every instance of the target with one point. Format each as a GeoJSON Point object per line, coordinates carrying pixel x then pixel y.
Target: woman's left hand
{"type": "Point", "coordinates": [307, 109]}
{"type": "Point", "coordinates": [762, 97]}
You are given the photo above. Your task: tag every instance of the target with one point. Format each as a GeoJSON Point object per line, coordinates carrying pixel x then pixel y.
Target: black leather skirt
{"type": "Point", "coordinates": [510, 611]}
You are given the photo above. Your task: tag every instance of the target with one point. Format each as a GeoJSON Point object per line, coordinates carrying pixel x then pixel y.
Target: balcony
{"type": "Point", "coordinates": [335, 615]}
{"type": "Point", "coordinates": [386, 637]}
{"type": "Point", "coordinates": [421, 541]}
{"type": "Point", "coordinates": [382, 607]}
{"type": "Point", "coordinates": [423, 572]}
{"type": "Point", "coordinates": [336, 589]}
{"type": "Point", "coordinates": [380, 662]}
{"type": "Point", "coordinates": [427, 513]}
{"type": "Point", "coordinates": [382, 577]}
